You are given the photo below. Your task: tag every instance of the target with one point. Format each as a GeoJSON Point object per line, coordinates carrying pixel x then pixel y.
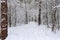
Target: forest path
{"type": "Point", "coordinates": [31, 31]}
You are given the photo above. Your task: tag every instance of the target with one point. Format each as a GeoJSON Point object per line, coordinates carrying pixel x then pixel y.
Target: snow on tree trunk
{"type": "Point", "coordinates": [53, 16]}
{"type": "Point", "coordinates": [4, 21]}
{"type": "Point", "coordinates": [47, 14]}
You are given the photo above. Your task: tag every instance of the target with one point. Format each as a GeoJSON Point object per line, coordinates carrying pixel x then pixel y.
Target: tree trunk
{"type": "Point", "coordinates": [9, 15]}
{"type": "Point", "coordinates": [53, 19]}
{"type": "Point", "coordinates": [4, 21]}
{"type": "Point", "coordinates": [53, 16]}
{"type": "Point", "coordinates": [15, 15]}
{"type": "Point", "coordinates": [26, 14]}
{"type": "Point", "coordinates": [47, 15]}
{"type": "Point", "coordinates": [39, 15]}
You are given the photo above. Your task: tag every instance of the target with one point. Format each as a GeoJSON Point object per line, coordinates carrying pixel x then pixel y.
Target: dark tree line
{"type": "Point", "coordinates": [53, 12]}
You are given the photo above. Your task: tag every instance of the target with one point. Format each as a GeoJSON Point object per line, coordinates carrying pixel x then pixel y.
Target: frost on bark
{"type": "Point", "coordinates": [53, 16]}
{"type": "Point", "coordinates": [4, 21]}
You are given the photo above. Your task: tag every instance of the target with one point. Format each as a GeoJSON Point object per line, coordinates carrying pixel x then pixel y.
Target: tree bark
{"type": "Point", "coordinates": [26, 14]}
{"type": "Point", "coordinates": [4, 21]}
{"type": "Point", "coordinates": [39, 15]}
{"type": "Point", "coordinates": [9, 15]}
{"type": "Point", "coordinates": [53, 16]}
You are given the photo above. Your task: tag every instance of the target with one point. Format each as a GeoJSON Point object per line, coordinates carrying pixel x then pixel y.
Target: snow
{"type": "Point", "coordinates": [2, 1]}
{"type": "Point", "coordinates": [58, 6]}
{"type": "Point", "coordinates": [32, 31]}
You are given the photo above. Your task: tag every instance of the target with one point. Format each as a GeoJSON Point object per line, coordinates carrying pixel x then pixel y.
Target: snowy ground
{"type": "Point", "coordinates": [32, 31]}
